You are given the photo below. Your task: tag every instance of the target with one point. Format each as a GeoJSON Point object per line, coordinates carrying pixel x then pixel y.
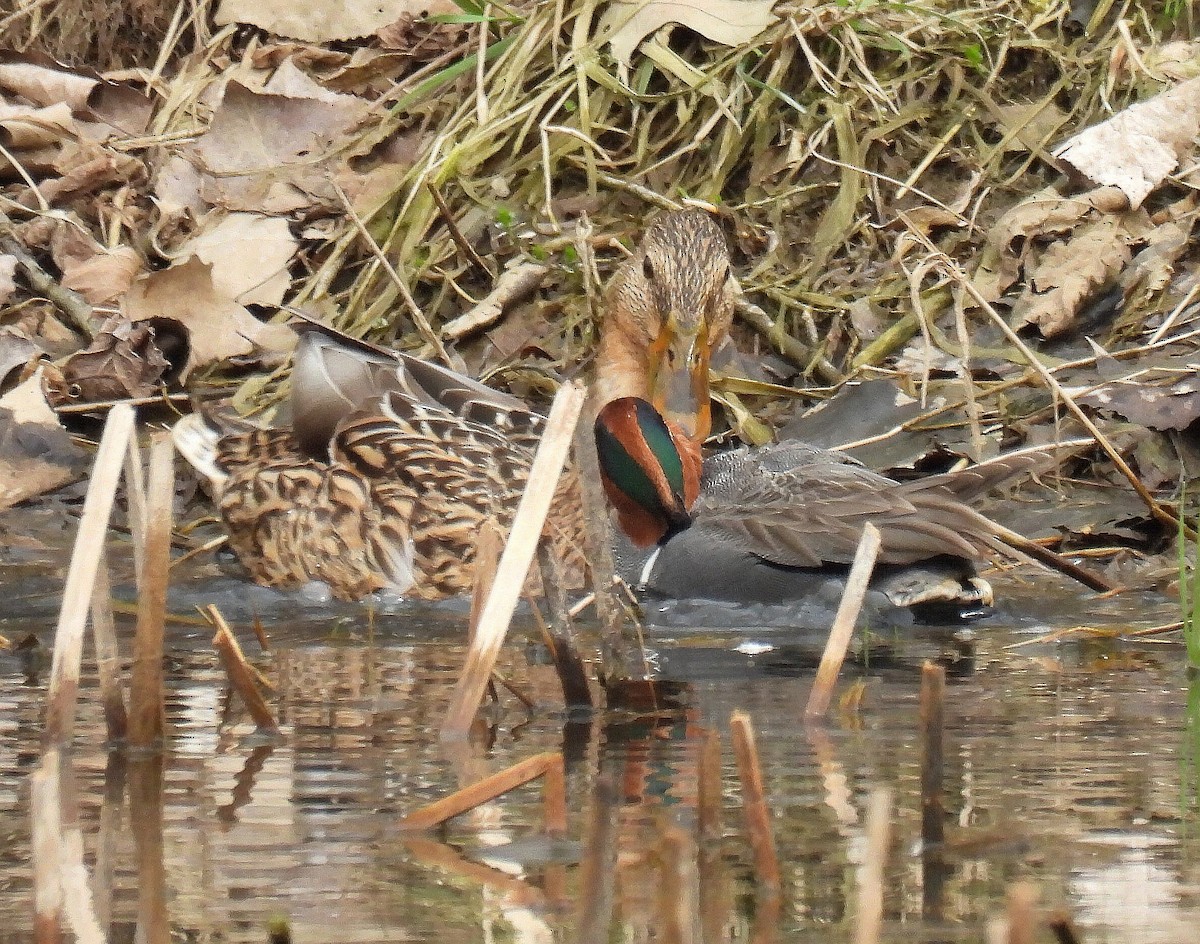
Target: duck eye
{"type": "Point", "coordinates": [648, 268]}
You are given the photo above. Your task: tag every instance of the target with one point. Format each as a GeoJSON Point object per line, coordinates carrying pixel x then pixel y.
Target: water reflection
{"type": "Point", "coordinates": [1063, 765]}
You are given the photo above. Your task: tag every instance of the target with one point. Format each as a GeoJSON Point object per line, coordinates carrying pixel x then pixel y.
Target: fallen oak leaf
{"type": "Point", "coordinates": [249, 255]}
{"type": "Point", "coordinates": [122, 362]}
{"type": "Point", "coordinates": [36, 454]}
{"type": "Point", "coordinates": [624, 25]}
{"type": "Point", "coordinates": [218, 328]}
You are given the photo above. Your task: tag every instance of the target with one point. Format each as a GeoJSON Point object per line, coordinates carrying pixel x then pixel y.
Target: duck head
{"type": "Point", "coordinates": [650, 469]}
{"type": "Point", "coordinates": [667, 309]}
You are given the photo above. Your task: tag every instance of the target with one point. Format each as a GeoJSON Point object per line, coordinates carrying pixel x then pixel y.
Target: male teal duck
{"type": "Point", "coordinates": [392, 465]}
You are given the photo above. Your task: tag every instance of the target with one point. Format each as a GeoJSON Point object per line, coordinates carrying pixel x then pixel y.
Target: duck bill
{"type": "Point", "coordinates": [679, 375]}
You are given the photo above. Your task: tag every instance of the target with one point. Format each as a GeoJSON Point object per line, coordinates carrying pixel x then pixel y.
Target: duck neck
{"type": "Point", "coordinates": [620, 369]}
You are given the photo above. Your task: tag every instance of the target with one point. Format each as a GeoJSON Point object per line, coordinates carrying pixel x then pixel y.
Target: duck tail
{"type": "Point", "coordinates": [196, 440]}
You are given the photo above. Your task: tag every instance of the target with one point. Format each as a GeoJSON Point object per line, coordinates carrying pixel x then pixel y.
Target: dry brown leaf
{"type": "Point", "coordinates": [262, 153]}
{"type": "Point", "coordinates": [28, 128]}
{"type": "Point", "coordinates": [36, 453]}
{"type": "Point", "coordinates": [1071, 270]}
{"type": "Point", "coordinates": [218, 327]}
{"type": "Point", "coordinates": [1136, 149]}
{"type": "Point", "coordinates": [87, 168]}
{"type": "Point", "coordinates": [731, 22]}
{"type": "Point", "coordinates": [317, 22]}
{"type": "Point", "coordinates": [1174, 406]}
{"type": "Point", "coordinates": [123, 361]}
{"type": "Point", "coordinates": [1034, 123]}
{"type": "Point", "coordinates": [1046, 213]}
{"type": "Point", "coordinates": [177, 190]}
{"type": "Point", "coordinates": [98, 274]}
{"type": "Point", "coordinates": [8, 271]}
{"type": "Point", "coordinates": [249, 255]}
{"type": "Point", "coordinates": [43, 85]}
{"type": "Point", "coordinates": [17, 349]}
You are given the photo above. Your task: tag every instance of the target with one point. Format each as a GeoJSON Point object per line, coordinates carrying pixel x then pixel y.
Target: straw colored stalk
{"type": "Point", "coordinates": [241, 675]}
{"type": "Point", "coordinates": [146, 800]}
{"type": "Point", "coordinates": [459, 802]}
{"type": "Point", "coordinates": [754, 803]}
{"type": "Point", "coordinates": [514, 562]}
{"type": "Point", "coordinates": [870, 874]}
{"type": "Point", "coordinates": [843, 623]}
{"type": "Point", "coordinates": [147, 707]}
{"type": "Point", "coordinates": [78, 905]}
{"type": "Point", "coordinates": [85, 560]}
{"type": "Point", "coordinates": [108, 656]}
{"type": "Point", "coordinates": [46, 839]}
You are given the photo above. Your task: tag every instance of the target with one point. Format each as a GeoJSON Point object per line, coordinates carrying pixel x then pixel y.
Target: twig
{"type": "Point", "coordinates": [241, 676]}
{"type": "Point", "coordinates": [456, 234]}
{"type": "Point", "coordinates": [146, 701]}
{"type": "Point", "coordinates": [418, 316]}
{"type": "Point", "coordinates": [870, 875]}
{"type": "Point", "coordinates": [81, 578]}
{"type": "Point", "coordinates": [514, 562]}
{"type": "Point", "coordinates": [791, 348]}
{"type": "Point", "coordinates": [71, 304]}
{"type": "Point", "coordinates": [486, 789]}
{"type": "Point", "coordinates": [754, 803]}
{"type": "Point", "coordinates": [513, 286]}
{"type": "Point", "coordinates": [843, 623]}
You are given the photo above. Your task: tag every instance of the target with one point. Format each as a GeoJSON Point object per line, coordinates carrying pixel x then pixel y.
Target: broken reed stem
{"type": "Point", "coordinates": [554, 797]}
{"type": "Point", "coordinates": [933, 695]}
{"type": "Point", "coordinates": [488, 546]}
{"type": "Point", "coordinates": [146, 701]}
{"type": "Point", "coordinates": [135, 501]}
{"type": "Point", "coordinates": [514, 562]}
{"type": "Point", "coordinates": [754, 803]}
{"type": "Point", "coordinates": [560, 637]}
{"type": "Point", "coordinates": [1022, 913]}
{"type": "Point", "coordinates": [459, 802]}
{"type": "Point", "coordinates": [843, 623]}
{"type": "Point", "coordinates": [710, 793]}
{"type": "Point", "coordinates": [85, 561]}
{"type": "Point", "coordinates": [597, 546]}
{"type": "Point", "coordinates": [241, 675]}
{"type": "Point", "coordinates": [46, 837]}
{"type": "Point", "coordinates": [78, 907]}
{"type": "Point", "coordinates": [146, 822]}
{"type": "Point", "coordinates": [108, 656]}
{"type": "Point", "coordinates": [870, 876]}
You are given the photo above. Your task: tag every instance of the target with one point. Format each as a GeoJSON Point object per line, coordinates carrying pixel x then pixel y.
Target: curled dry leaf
{"type": "Point", "coordinates": [17, 350]}
{"type": "Point", "coordinates": [100, 275]}
{"type": "Point", "coordinates": [318, 22]}
{"type": "Point", "coordinates": [122, 362]}
{"type": "Point", "coordinates": [28, 128]}
{"type": "Point", "coordinates": [731, 22]}
{"type": "Point", "coordinates": [46, 85]}
{"type": "Point", "coordinates": [263, 153]}
{"type": "Point", "coordinates": [36, 453]}
{"type": "Point", "coordinates": [1136, 149]}
{"type": "Point", "coordinates": [249, 255]}
{"type": "Point", "coordinates": [218, 327]}
{"type": "Point", "coordinates": [1072, 270]}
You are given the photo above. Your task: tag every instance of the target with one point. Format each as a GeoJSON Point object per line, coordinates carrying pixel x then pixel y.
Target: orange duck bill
{"type": "Point", "coordinates": [678, 374]}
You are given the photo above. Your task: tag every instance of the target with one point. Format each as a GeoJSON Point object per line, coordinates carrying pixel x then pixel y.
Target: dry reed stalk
{"type": "Point", "coordinates": [447, 858]}
{"type": "Point", "coordinates": [870, 876]}
{"type": "Point", "coordinates": [754, 803]}
{"type": "Point", "coordinates": [598, 549]}
{"type": "Point", "coordinates": [598, 868]}
{"type": "Point", "coordinates": [146, 698]}
{"type": "Point", "coordinates": [554, 797]}
{"type": "Point", "coordinates": [1022, 913]}
{"type": "Point", "coordinates": [710, 793]}
{"type": "Point", "coordinates": [560, 636]}
{"type": "Point", "coordinates": [241, 674]}
{"type": "Point", "coordinates": [514, 562]}
{"type": "Point", "coordinates": [677, 899]}
{"type": "Point", "coordinates": [78, 905]}
{"type": "Point", "coordinates": [146, 800]}
{"type": "Point", "coordinates": [108, 656]}
{"type": "Point", "coordinates": [107, 851]}
{"type": "Point", "coordinates": [487, 556]}
{"type": "Point", "coordinates": [933, 694]}
{"type": "Point", "coordinates": [46, 837]}
{"type": "Point", "coordinates": [135, 500]}
{"type": "Point", "coordinates": [843, 623]}
{"type": "Point", "coordinates": [459, 802]}
{"type": "Point", "coordinates": [85, 560]}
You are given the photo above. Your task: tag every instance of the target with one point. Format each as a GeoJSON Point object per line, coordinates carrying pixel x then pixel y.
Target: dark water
{"type": "Point", "coordinates": [1071, 765]}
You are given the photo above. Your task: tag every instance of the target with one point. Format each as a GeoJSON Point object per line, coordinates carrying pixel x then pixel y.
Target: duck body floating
{"type": "Point", "coordinates": [393, 465]}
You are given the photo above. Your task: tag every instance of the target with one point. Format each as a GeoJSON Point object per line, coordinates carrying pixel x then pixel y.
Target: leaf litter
{"type": "Point", "coordinates": [858, 158]}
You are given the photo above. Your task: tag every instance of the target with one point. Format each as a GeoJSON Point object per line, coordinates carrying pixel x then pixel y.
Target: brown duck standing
{"type": "Point", "coordinates": [393, 465]}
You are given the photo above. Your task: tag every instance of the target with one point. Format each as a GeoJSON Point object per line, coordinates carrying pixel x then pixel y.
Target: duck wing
{"type": "Point", "coordinates": [800, 506]}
